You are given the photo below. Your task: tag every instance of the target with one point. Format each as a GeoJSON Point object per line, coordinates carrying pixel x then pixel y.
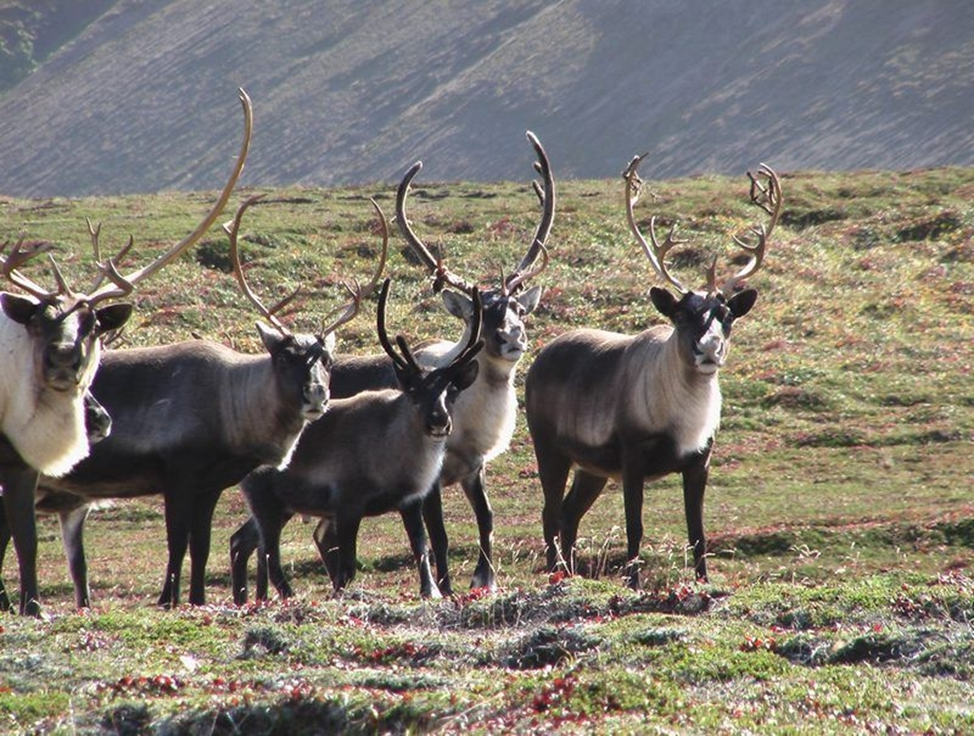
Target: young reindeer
{"type": "Point", "coordinates": [337, 474]}
{"type": "Point", "coordinates": [636, 408]}
{"type": "Point", "coordinates": [194, 418]}
{"type": "Point", "coordinates": [49, 352]}
{"type": "Point", "coordinates": [485, 413]}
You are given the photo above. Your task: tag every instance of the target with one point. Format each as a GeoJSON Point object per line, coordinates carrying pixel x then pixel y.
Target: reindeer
{"type": "Point", "coordinates": [338, 475]}
{"type": "Point", "coordinates": [484, 415]}
{"type": "Point", "coordinates": [194, 418]}
{"type": "Point", "coordinates": [636, 408]}
{"type": "Point", "coordinates": [49, 355]}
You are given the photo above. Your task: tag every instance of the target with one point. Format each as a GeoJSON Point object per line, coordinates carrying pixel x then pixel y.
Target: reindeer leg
{"type": "Point", "coordinates": [346, 532]}
{"type": "Point", "coordinates": [585, 489]}
{"type": "Point", "coordinates": [326, 539]}
{"type": "Point", "coordinates": [4, 543]}
{"type": "Point", "coordinates": [199, 544]}
{"type": "Point", "coordinates": [475, 488]}
{"type": "Point", "coordinates": [243, 542]}
{"type": "Point", "coordinates": [179, 508]}
{"type": "Point", "coordinates": [72, 523]}
{"type": "Point", "coordinates": [433, 516]}
{"type": "Point", "coordinates": [270, 548]}
{"type": "Point", "coordinates": [553, 469]}
{"type": "Point", "coordinates": [632, 496]}
{"type": "Point", "coordinates": [19, 485]}
{"type": "Point", "coordinates": [412, 519]}
{"type": "Point", "coordinates": [694, 485]}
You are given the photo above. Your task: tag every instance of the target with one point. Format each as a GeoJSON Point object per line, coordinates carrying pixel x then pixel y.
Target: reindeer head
{"type": "Point", "coordinates": [506, 305]}
{"type": "Point", "coordinates": [703, 318]}
{"type": "Point", "coordinates": [433, 392]}
{"type": "Point", "coordinates": [302, 362]}
{"type": "Point", "coordinates": [64, 327]}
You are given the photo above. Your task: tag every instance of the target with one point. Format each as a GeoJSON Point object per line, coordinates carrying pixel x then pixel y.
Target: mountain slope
{"type": "Point", "coordinates": [143, 98]}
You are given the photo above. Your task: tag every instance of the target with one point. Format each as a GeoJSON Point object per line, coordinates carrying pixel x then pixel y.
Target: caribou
{"type": "Point", "coordinates": [49, 357]}
{"type": "Point", "coordinates": [639, 407]}
{"type": "Point", "coordinates": [484, 415]}
{"type": "Point", "coordinates": [337, 474]}
{"type": "Point", "coordinates": [194, 418]}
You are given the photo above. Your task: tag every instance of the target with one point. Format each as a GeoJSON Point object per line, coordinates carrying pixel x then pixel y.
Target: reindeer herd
{"type": "Point", "coordinates": [304, 431]}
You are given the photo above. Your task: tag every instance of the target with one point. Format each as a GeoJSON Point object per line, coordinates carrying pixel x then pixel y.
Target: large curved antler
{"type": "Point", "coordinates": [546, 194]}
{"type": "Point", "coordinates": [442, 275]}
{"type": "Point", "coordinates": [123, 285]}
{"type": "Point", "coordinates": [345, 313]}
{"type": "Point", "coordinates": [657, 253]}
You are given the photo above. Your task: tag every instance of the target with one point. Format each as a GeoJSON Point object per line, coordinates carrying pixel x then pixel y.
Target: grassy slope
{"type": "Point", "coordinates": [839, 510]}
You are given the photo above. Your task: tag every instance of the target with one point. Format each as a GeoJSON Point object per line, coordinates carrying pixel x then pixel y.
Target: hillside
{"type": "Point", "coordinates": [141, 96]}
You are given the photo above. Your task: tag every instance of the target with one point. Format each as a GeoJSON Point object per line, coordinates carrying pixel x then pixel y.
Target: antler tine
{"type": "Point", "coordinates": [516, 280]}
{"type": "Point", "coordinates": [657, 253]}
{"type": "Point", "coordinates": [358, 293]}
{"type": "Point", "coordinates": [18, 256]}
{"type": "Point", "coordinates": [547, 197]}
{"type": "Point", "coordinates": [232, 229]}
{"type": "Point", "coordinates": [380, 326]}
{"type": "Point", "coordinates": [190, 240]}
{"type": "Point", "coordinates": [768, 198]}
{"type": "Point", "coordinates": [442, 275]}
{"type": "Point", "coordinates": [62, 285]}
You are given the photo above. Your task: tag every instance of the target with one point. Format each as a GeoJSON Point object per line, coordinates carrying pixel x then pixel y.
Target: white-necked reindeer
{"type": "Point", "coordinates": [484, 415]}
{"type": "Point", "coordinates": [193, 418]}
{"type": "Point", "coordinates": [638, 407]}
{"type": "Point", "coordinates": [376, 452]}
{"type": "Point", "coordinates": [49, 352]}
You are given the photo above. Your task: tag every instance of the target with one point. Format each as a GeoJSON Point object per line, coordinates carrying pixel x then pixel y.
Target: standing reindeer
{"type": "Point", "coordinates": [372, 453]}
{"type": "Point", "coordinates": [485, 414]}
{"type": "Point", "coordinates": [49, 352]}
{"type": "Point", "coordinates": [639, 407]}
{"type": "Point", "coordinates": [194, 418]}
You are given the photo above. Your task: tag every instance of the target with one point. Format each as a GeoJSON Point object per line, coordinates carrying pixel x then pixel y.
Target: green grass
{"type": "Point", "coordinates": [839, 511]}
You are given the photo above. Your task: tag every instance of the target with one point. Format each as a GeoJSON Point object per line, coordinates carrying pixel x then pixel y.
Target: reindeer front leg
{"type": "Point", "coordinates": [412, 519]}
{"type": "Point", "coordinates": [632, 496]}
{"type": "Point", "coordinates": [178, 511]}
{"type": "Point", "coordinates": [475, 488]}
{"type": "Point", "coordinates": [199, 544]}
{"type": "Point", "coordinates": [72, 523]}
{"type": "Point", "coordinates": [433, 516]}
{"type": "Point", "coordinates": [694, 485]}
{"type": "Point", "coordinates": [19, 485]}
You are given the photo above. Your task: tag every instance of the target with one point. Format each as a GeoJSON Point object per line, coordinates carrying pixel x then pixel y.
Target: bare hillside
{"type": "Point", "coordinates": [142, 98]}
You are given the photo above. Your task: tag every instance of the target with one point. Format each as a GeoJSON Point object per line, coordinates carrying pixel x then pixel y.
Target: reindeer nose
{"type": "Point", "coordinates": [439, 424]}
{"type": "Point", "coordinates": [62, 360]}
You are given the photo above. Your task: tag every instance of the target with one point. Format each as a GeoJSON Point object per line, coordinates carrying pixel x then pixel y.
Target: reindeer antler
{"type": "Point", "coordinates": [546, 195]}
{"type": "Point", "coordinates": [441, 274]}
{"type": "Point", "coordinates": [657, 253]}
{"type": "Point", "coordinates": [766, 196]}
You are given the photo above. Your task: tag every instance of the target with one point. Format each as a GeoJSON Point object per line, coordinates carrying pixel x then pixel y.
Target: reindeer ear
{"type": "Point", "coordinates": [19, 308]}
{"type": "Point", "coordinates": [529, 299]}
{"type": "Point", "coordinates": [271, 338]}
{"type": "Point", "coordinates": [741, 303]}
{"type": "Point", "coordinates": [664, 301]}
{"type": "Point", "coordinates": [112, 317]}
{"type": "Point", "coordinates": [459, 305]}
{"type": "Point", "coordinates": [467, 375]}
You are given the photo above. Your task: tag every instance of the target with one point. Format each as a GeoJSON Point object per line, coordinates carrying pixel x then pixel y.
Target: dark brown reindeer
{"type": "Point", "coordinates": [636, 408]}
{"type": "Point", "coordinates": [484, 415]}
{"type": "Point", "coordinates": [194, 418]}
{"type": "Point", "coordinates": [50, 353]}
{"type": "Point", "coordinates": [373, 453]}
